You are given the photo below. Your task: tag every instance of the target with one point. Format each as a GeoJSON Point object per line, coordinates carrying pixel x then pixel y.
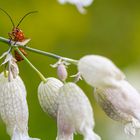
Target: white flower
{"type": "Point", "coordinates": [74, 114]}
{"type": "Point", "coordinates": [99, 71]}
{"type": "Point", "coordinates": [116, 96]}
{"type": "Point", "coordinates": [80, 4]}
{"type": "Point", "coordinates": [48, 95]}
{"type": "Point", "coordinates": [121, 104]}
{"type": "Point", "coordinates": [14, 108]}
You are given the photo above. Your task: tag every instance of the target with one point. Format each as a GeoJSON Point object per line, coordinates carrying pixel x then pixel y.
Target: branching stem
{"type": "Point", "coordinates": [72, 61]}
{"type": "Point", "coordinates": [32, 66]}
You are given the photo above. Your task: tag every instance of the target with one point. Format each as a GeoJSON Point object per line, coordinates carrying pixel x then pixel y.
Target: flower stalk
{"type": "Point", "coordinates": [55, 56]}
{"type": "Point", "coordinates": [32, 66]}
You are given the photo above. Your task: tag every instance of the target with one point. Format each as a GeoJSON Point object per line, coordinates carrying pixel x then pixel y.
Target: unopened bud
{"type": "Point", "coordinates": [48, 95]}
{"type": "Point", "coordinates": [62, 72]}
{"type": "Point", "coordinates": [74, 114]}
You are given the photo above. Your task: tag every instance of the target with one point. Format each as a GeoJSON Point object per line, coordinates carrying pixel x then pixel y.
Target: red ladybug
{"type": "Point", "coordinates": [17, 34]}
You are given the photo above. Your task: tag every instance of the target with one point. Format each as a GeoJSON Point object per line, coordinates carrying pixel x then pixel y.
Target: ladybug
{"type": "Point", "coordinates": [17, 35]}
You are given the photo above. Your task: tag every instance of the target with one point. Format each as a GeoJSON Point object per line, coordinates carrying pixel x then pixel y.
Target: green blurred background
{"type": "Point", "coordinates": [110, 28]}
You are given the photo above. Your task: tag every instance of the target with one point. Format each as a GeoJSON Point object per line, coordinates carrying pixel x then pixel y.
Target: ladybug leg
{"type": "Point", "coordinates": [15, 42]}
{"type": "Point", "coordinates": [10, 41]}
{"type": "Point", "coordinates": [11, 37]}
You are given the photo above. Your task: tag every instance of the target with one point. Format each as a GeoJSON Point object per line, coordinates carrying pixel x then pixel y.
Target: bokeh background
{"type": "Point", "coordinates": [110, 28]}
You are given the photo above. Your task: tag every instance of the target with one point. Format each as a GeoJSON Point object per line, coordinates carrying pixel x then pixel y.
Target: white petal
{"type": "Point", "coordinates": [4, 54]}
{"type": "Point", "coordinates": [62, 1]}
{"type": "Point", "coordinates": [7, 59]}
{"type": "Point", "coordinates": [23, 43]}
{"type": "Point", "coordinates": [80, 4]}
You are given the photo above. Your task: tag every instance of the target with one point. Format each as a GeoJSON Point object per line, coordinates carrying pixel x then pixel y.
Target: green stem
{"type": "Point", "coordinates": [32, 66]}
{"type": "Point", "coordinates": [72, 61]}
{"type": "Point", "coordinates": [4, 40]}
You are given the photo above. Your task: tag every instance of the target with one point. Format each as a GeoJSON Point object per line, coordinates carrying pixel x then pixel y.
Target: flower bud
{"type": "Point", "coordinates": [121, 104]}
{"type": "Point", "coordinates": [80, 4]}
{"type": "Point", "coordinates": [74, 114]}
{"type": "Point", "coordinates": [99, 71]}
{"type": "Point", "coordinates": [62, 72]}
{"type": "Point", "coordinates": [48, 95]}
{"type": "Point", "coordinates": [13, 107]}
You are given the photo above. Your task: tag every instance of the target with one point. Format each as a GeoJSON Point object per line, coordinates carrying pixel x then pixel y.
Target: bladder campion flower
{"type": "Point", "coordinates": [80, 4]}
{"type": "Point", "coordinates": [115, 95]}
{"type": "Point", "coordinates": [48, 95]}
{"type": "Point", "coordinates": [75, 114]}
{"type": "Point", "coordinates": [14, 108]}
{"type": "Point", "coordinates": [99, 71]}
{"type": "Point", "coordinates": [121, 104]}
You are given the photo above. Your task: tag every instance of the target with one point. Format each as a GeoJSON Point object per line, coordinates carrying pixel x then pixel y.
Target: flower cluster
{"type": "Point", "coordinates": [13, 104]}
{"type": "Point", "coordinates": [116, 96]}
{"type": "Point", "coordinates": [64, 100]}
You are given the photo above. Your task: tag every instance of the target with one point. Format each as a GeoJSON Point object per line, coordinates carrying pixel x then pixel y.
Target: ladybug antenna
{"type": "Point", "coordinates": [8, 16]}
{"type": "Point", "coordinates": [26, 16]}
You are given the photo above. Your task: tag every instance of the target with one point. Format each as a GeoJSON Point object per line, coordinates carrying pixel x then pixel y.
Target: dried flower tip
{"type": "Point", "coordinates": [48, 95]}
{"type": "Point", "coordinates": [13, 70]}
{"type": "Point", "coordinates": [8, 58]}
{"type": "Point", "coordinates": [23, 43]}
{"type": "Point", "coordinates": [13, 107]}
{"type": "Point", "coordinates": [74, 114]}
{"type": "Point", "coordinates": [99, 71]}
{"type": "Point", "coordinates": [121, 104]}
{"type": "Point", "coordinates": [80, 4]}
{"type": "Point", "coordinates": [60, 61]}
{"type": "Point", "coordinates": [5, 54]}
{"type": "Point", "coordinates": [77, 77]}
{"type": "Point", "coordinates": [56, 64]}
{"type": "Point", "coordinates": [62, 72]}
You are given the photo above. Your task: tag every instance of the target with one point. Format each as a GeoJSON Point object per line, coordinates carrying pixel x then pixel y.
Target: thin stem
{"type": "Point", "coordinates": [4, 40]}
{"type": "Point", "coordinates": [72, 61]}
{"type": "Point", "coordinates": [32, 66]}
